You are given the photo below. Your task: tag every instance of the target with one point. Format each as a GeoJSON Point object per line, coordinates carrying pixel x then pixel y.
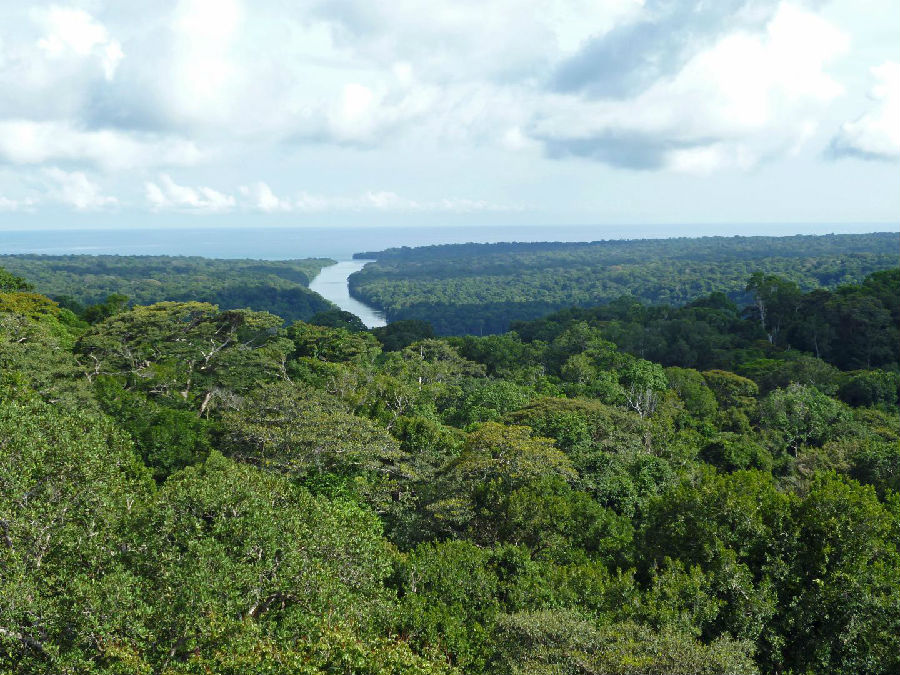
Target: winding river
{"type": "Point", "coordinates": [331, 283]}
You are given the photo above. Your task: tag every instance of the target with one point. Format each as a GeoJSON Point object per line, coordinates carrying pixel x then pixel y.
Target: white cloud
{"type": "Point", "coordinates": [389, 201]}
{"type": "Point", "coordinates": [7, 204]}
{"type": "Point", "coordinates": [460, 40]}
{"type": "Point", "coordinates": [365, 115]}
{"type": "Point", "coordinates": [747, 97]}
{"type": "Point", "coordinates": [876, 134]}
{"type": "Point", "coordinates": [262, 198]}
{"type": "Point", "coordinates": [69, 31]}
{"type": "Point", "coordinates": [32, 142]}
{"type": "Point", "coordinates": [167, 194]}
{"type": "Point", "coordinates": [76, 189]}
{"type": "Point", "coordinates": [453, 92]}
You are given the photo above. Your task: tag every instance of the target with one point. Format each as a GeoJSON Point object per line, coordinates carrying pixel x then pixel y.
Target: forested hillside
{"type": "Point", "coordinates": [278, 286]}
{"type": "Point", "coordinates": [186, 489]}
{"type": "Point", "coordinates": [482, 288]}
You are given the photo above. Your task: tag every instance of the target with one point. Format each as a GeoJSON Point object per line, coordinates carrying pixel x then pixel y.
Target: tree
{"type": "Point", "coordinates": [777, 300]}
{"type": "Point", "coordinates": [35, 350]}
{"type": "Point", "coordinates": [115, 303]}
{"type": "Point", "coordinates": [548, 642]}
{"type": "Point", "coordinates": [70, 484]}
{"type": "Point", "coordinates": [730, 389]}
{"type": "Point", "coordinates": [296, 430]}
{"type": "Point", "coordinates": [693, 391]}
{"type": "Point", "coordinates": [11, 283]}
{"type": "Point", "coordinates": [226, 542]}
{"type": "Point", "coordinates": [864, 331]}
{"type": "Point", "coordinates": [338, 318]}
{"type": "Point", "coordinates": [399, 334]}
{"type": "Point", "coordinates": [495, 461]}
{"type": "Point", "coordinates": [802, 416]}
{"type": "Point", "coordinates": [449, 598]}
{"type": "Point", "coordinates": [643, 381]}
{"type": "Point", "coordinates": [186, 349]}
{"type": "Point", "coordinates": [841, 599]}
{"type": "Point", "coordinates": [332, 344]}
{"type": "Point", "coordinates": [871, 387]}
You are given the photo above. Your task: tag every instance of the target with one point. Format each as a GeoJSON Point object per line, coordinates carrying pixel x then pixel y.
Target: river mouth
{"type": "Point", "coordinates": [332, 283]}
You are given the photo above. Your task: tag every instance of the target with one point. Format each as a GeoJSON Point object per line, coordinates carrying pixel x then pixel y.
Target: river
{"type": "Point", "coordinates": [331, 283]}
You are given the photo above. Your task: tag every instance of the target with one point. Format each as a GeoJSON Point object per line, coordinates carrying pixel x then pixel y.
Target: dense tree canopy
{"type": "Point", "coordinates": [98, 286]}
{"type": "Point", "coordinates": [483, 288]}
{"type": "Point", "coordinates": [187, 489]}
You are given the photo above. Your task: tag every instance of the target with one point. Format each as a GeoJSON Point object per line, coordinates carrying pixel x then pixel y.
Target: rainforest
{"type": "Point", "coordinates": [207, 468]}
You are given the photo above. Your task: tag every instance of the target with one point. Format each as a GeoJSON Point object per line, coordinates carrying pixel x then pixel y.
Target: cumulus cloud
{"type": "Point", "coordinates": [660, 40]}
{"type": "Point", "coordinates": [75, 189]}
{"type": "Point", "coordinates": [876, 134]}
{"type": "Point", "coordinates": [747, 97]}
{"type": "Point", "coordinates": [169, 195]}
{"type": "Point", "coordinates": [389, 201]}
{"type": "Point", "coordinates": [257, 87]}
{"type": "Point", "coordinates": [71, 31]}
{"type": "Point", "coordinates": [7, 204]}
{"type": "Point", "coordinates": [36, 142]}
{"type": "Point", "coordinates": [260, 196]}
{"type": "Point", "coordinates": [453, 41]}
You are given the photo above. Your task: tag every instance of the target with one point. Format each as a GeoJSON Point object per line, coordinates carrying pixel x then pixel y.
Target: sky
{"type": "Point", "coordinates": [441, 112]}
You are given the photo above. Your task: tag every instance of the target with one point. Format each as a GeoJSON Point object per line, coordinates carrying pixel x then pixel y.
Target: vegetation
{"type": "Point", "coordinates": [186, 489]}
{"type": "Point", "coordinates": [110, 281]}
{"type": "Point", "coordinates": [482, 288]}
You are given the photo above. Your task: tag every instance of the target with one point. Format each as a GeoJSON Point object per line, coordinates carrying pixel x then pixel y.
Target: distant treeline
{"type": "Point", "coordinates": [78, 281]}
{"type": "Point", "coordinates": [482, 288]}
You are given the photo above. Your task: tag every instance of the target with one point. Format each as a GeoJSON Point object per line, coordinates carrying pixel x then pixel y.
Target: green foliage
{"type": "Point", "coordinates": [484, 400]}
{"type": "Point", "coordinates": [802, 415]}
{"type": "Point", "coordinates": [448, 600]}
{"type": "Point", "coordinates": [296, 430]}
{"type": "Point", "coordinates": [112, 305]}
{"type": "Point", "coordinates": [230, 540]}
{"type": "Point", "coordinates": [483, 288]}
{"type": "Point", "coordinates": [9, 282]}
{"type": "Point", "coordinates": [732, 452]}
{"type": "Point", "coordinates": [338, 318]}
{"type": "Point", "coordinates": [841, 593]}
{"type": "Point", "coordinates": [878, 464]}
{"type": "Point", "coordinates": [69, 483]}
{"type": "Point", "coordinates": [731, 390]}
{"type": "Point", "coordinates": [399, 334]}
{"type": "Point", "coordinates": [871, 387]}
{"type": "Point", "coordinates": [332, 344]}
{"type": "Point", "coordinates": [330, 500]}
{"type": "Point", "coordinates": [277, 286]}
{"type": "Point", "coordinates": [31, 305]}
{"type": "Point", "coordinates": [563, 643]}
{"type": "Point", "coordinates": [240, 648]}
{"type": "Point", "coordinates": [167, 439]}
{"type": "Point", "coordinates": [699, 400]}
{"type": "Point", "coordinates": [35, 350]}
{"type": "Point", "coordinates": [188, 350]}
